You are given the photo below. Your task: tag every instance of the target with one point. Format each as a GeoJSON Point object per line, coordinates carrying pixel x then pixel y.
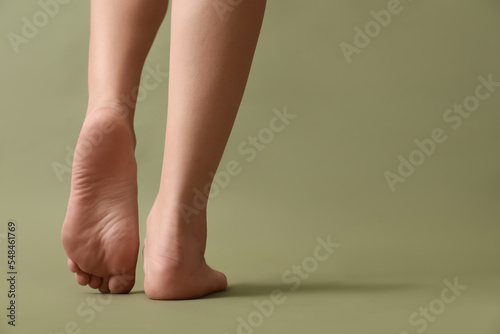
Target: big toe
{"type": "Point", "coordinates": [220, 281]}
{"type": "Point", "coordinates": [122, 283]}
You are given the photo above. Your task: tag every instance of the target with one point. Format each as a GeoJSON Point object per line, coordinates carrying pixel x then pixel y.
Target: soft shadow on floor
{"type": "Point", "coordinates": [133, 292]}
{"type": "Point", "coordinates": [264, 289]}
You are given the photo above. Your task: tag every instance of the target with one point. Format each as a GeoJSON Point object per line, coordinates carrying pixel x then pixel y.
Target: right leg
{"type": "Point", "coordinates": [100, 231]}
{"type": "Point", "coordinates": [210, 59]}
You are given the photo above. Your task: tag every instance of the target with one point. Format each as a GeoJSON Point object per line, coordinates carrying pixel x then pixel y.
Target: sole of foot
{"type": "Point", "coordinates": [100, 233]}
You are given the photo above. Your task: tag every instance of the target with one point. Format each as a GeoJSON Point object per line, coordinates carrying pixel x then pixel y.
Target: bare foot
{"type": "Point", "coordinates": [174, 262]}
{"type": "Point", "coordinates": [100, 232]}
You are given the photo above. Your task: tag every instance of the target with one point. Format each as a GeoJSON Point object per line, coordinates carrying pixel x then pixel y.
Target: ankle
{"type": "Point", "coordinates": [112, 106]}
{"type": "Point", "coordinates": [181, 208]}
{"type": "Point", "coordinates": [167, 219]}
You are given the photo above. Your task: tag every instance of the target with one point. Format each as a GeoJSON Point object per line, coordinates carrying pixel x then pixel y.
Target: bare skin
{"type": "Point", "coordinates": [100, 231]}
{"type": "Point", "coordinates": [210, 60]}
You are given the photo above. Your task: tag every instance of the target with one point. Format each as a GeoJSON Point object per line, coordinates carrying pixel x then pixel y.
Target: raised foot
{"type": "Point", "coordinates": [100, 232]}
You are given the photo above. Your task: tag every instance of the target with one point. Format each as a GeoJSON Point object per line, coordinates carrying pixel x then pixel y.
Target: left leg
{"type": "Point", "coordinates": [100, 233]}
{"type": "Point", "coordinates": [210, 60]}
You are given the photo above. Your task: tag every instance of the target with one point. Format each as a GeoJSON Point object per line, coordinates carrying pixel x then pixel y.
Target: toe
{"type": "Point", "coordinates": [104, 288]}
{"type": "Point", "coordinates": [95, 281]}
{"type": "Point", "coordinates": [82, 278]}
{"type": "Point", "coordinates": [221, 281]}
{"type": "Point", "coordinates": [122, 283]}
{"type": "Point", "coordinates": [73, 266]}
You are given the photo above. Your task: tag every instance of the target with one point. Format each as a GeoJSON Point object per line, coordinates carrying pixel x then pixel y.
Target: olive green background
{"type": "Point", "coordinates": [323, 175]}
